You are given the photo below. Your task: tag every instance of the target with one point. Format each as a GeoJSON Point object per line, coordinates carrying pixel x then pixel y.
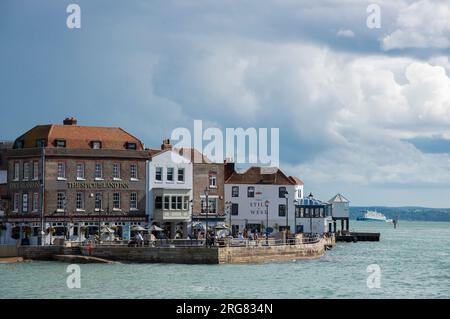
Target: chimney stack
{"type": "Point", "coordinates": [166, 145]}
{"type": "Point", "coordinates": [70, 121]}
{"type": "Point", "coordinates": [229, 168]}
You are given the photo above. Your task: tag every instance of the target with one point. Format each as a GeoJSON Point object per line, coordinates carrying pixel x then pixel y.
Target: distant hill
{"type": "Point", "coordinates": [405, 213]}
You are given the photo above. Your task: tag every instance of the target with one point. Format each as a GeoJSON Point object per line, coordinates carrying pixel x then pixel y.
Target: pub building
{"type": "Point", "coordinates": [72, 181]}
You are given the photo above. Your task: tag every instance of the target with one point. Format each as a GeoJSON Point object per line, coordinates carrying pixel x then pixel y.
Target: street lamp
{"type": "Point", "coordinates": [267, 222]}
{"type": "Point", "coordinates": [206, 192]}
{"type": "Point", "coordinates": [191, 203]}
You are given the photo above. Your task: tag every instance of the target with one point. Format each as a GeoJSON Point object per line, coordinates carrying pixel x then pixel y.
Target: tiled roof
{"type": "Point", "coordinates": [80, 137]}
{"type": "Point", "coordinates": [263, 175]}
{"type": "Point", "coordinates": [194, 155]}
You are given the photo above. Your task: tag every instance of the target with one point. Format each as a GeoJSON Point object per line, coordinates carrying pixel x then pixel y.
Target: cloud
{"type": "Point", "coordinates": [423, 24]}
{"type": "Point", "coordinates": [345, 33]}
{"type": "Point", "coordinates": [348, 112]}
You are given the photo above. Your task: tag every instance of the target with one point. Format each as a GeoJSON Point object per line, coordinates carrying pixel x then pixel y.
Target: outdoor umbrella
{"type": "Point", "coordinates": [155, 228]}
{"type": "Point", "coordinates": [221, 227]}
{"type": "Point", "coordinates": [138, 228]}
{"type": "Point", "coordinates": [106, 229]}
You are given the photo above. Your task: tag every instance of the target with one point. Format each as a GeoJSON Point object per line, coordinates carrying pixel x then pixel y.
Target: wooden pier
{"type": "Point", "coordinates": [357, 236]}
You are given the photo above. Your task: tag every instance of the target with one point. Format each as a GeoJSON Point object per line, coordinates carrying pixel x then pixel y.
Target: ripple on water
{"type": "Point", "coordinates": [413, 263]}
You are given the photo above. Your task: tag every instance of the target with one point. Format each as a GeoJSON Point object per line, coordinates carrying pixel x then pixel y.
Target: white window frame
{"type": "Point", "coordinates": [98, 198]}
{"type": "Point", "coordinates": [185, 202]}
{"type": "Point", "coordinates": [35, 170]}
{"type": "Point", "coordinates": [80, 172]}
{"type": "Point", "coordinates": [214, 198]}
{"type": "Point", "coordinates": [116, 171]}
{"type": "Point", "coordinates": [26, 171]}
{"type": "Point", "coordinates": [134, 168]}
{"type": "Point", "coordinates": [232, 191]}
{"type": "Point", "coordinates": [170, 169]}
{"type": "Point", "coordinates": [16, 202]}
{"type": "Point", "coordinates": [35, 202]}
{"type": "Point", "coordinates": [157, 168]}
{"type": "Point", "coordinates": [168, 202]}
{"type": "Point", "coordinates": [79, 199]}
{"type": "Point", "coordinates": [61, 177]}
{"type": "Point", "coordinates": [97, 178]}
{"type": "Point", "coordinates": [212, 181]}
{"type": "Point", "coordinates": [181, 169]}
{"type": "Point", "coordinates": [116, 200]}
{"type": "Point", "coordinates": [133, 201]}
{"type": "Point", "coordinates": [25, 203]}
{"type": "Point", "coordinates": [16, 171]}
{"type": "Point", "coordinates": [60, 208]}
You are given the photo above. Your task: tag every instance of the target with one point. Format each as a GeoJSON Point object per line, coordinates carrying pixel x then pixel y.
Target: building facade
{"type": "Point", "coordinates": [313, 216]}
{"type": "Point", "coordinates": [170, 191]}
{"type": "Point", "coordinates": [5, 229]}
{"type": "Point", "coordinates": [341, 212]}
{"type": "Point", "coordinates": [259, 197]}
{"type": "Point", "coordinates": [208, 189]}
{"type": "Point", "coordinates": [68, 181]}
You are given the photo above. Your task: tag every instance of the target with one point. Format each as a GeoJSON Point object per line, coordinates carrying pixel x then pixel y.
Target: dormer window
{"type": "Point", "coordinates": [60, 143]}
{"type": "Point", "coordinates": [19, 144]}
{"type": "Point", "coordinates": [131, 146]}
{"type": "Point", "coordinates": [96, 145]}
{"type": "Point", "coordinates": [41, 142]}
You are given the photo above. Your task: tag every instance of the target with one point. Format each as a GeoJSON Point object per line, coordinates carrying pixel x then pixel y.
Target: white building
{"type": "Point", "coordinates": [313, 216]}
{"type": "Point", "coordinates": [341, 211]}
{"type": "Point", "coordinates": [247, 193]}
{"type": "Point", "coordinates": [169, 180]}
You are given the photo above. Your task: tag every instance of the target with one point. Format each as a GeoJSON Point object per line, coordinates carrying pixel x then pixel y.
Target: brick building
{"type": "Point", "coordinates": [206, 175]}
{"type": "Point", "coordinates": [69, 180]}
{"type": "Point", "coordinates": [4, 146]}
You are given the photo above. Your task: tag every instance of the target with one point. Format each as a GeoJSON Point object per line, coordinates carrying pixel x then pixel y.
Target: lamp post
{"type": "Point", "coordinates": [295, 216]}
{"type": "Point", "coordinates": [310, 197]}
{"type": "Point", "coordinates": [191, 202]}
{"type": "Point", "coordinates": [206, 192]}
{"type": "Point", "coordinates": [267, 222]}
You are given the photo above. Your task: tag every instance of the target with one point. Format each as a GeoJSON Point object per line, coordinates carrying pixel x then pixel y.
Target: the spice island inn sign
{"type": "Point", "coordinates": [98, 185]}
{"type": "Point", "coordinates": [77, 185]}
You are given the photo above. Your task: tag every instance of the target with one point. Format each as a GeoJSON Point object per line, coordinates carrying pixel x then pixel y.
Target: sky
{"type": "Point", "coordinates": [362, 111]}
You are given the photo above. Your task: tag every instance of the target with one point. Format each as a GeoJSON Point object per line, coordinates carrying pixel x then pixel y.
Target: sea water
{"type": "Point", "coordinates": [414, 262]}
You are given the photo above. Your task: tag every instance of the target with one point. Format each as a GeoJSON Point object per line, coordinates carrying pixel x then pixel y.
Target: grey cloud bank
{"type": "Point", "coordinates": [348, 107]}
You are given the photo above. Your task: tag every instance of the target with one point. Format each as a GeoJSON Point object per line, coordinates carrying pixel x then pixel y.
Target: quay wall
{"type": "Point", "coordinates": [8, 251]}
{"type": "Point", "coordinates": [258, 254]}
{"type": "Point", "coordinates": [178, 255]}
{"type": "Point", "coordinates": [182, 255]}
{"type": "Point", "coordinates": [40, 252]}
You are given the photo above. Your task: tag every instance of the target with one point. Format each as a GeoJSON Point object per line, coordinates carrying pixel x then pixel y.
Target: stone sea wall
{"type": "Point", "coordinates": [182, 255]}
{"type": "Point", "coordinates": [8, 251]}
{"type": "Point", "coordinates": [258, 254]}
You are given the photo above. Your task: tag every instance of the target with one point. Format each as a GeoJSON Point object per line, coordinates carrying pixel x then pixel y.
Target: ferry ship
{"type": "Point", "coordinates": [372, 216]}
